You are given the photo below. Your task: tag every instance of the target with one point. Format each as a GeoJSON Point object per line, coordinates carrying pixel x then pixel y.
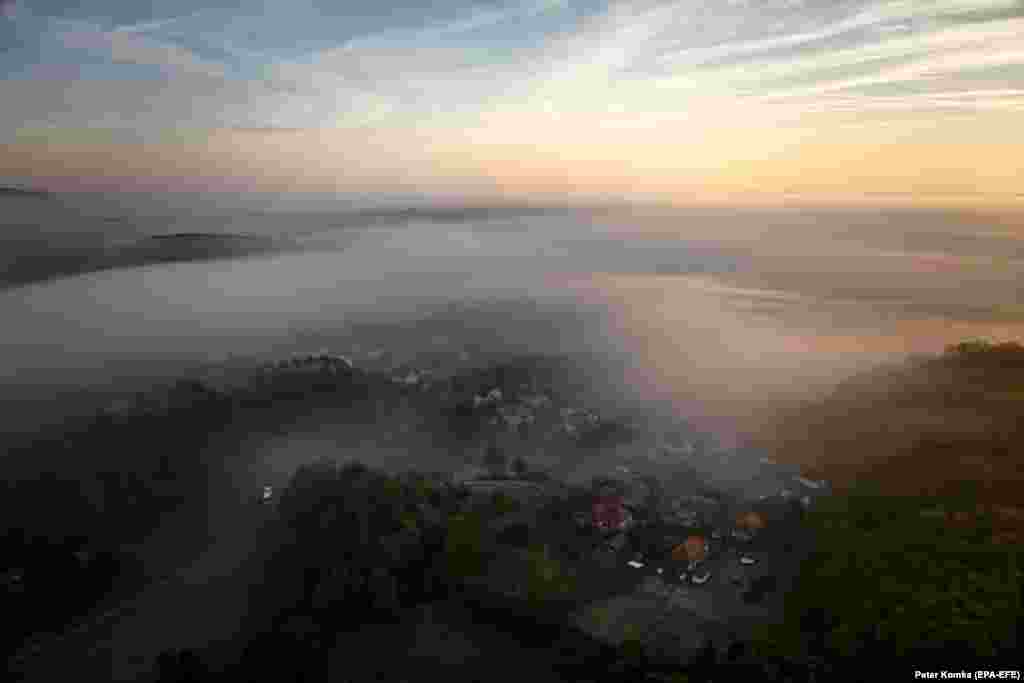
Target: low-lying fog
{"type": "Point", "coordinates": [719, 312]}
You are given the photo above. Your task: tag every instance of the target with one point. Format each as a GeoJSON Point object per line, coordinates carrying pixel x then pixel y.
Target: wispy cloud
{"type": "Point", "coordinates": [550, 78]}
{"type": "Point", "coordinates": [951, 52]}
{"type": "Point", "coordinates": [133, 47]}
{"type": "Point", "coordinates": [669, 56]}
{"type": "Point", "coordinates": [8, 8]}
{"type": "Point", "coordinates": [156, 24]}
{"type": "Point", "coordinates": [475, 19]}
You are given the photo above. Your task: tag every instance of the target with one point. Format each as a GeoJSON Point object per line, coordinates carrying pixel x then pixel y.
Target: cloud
{"type": "Point", "coordinates": [948, 53]}
{"type": "Point", "coordinates": [475, 19]}
{"type": "Point", "coordinates": [9, 8]}
{"type": "Point", "coordinates": [133, 47]}
{"type": "Point", "coordinates": [673, 57]}
{"type": "Point", "coordinates": [156, 24]}
{"type": "Point", "coordinates": [425, 58]}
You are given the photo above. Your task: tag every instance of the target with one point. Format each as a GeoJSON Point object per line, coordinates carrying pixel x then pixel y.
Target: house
{"type": "Point", "coordinates": [609, 512]}
{"type": "Point", "coordinates": [682, 516]}
{"type": "Point", "coordinates": [493, 396]}
{"type": "Point", "coordinates": [696, 548]}
{"type": "Point", "coordinates": [537, 401]}
{"type": "Point", "coordinates": [692, 551]}
{"type": "Point", "coordinates": [516, 415]}
{"type": "Point", "coordinates": [13, 578]}
{"type": "Point", "coordinates": [576, 420]}
{"type": "Point", "coordinates": [411, 378]}
{"type": "Point", "coordinates": [332, 359]}
{"type": "Point", "coordinates": [469, 473]}
{"type": "Point", "coordinates": [321, 360]}
{"type": "Point", "coordinates": [750, 521]}
{"type": "Point", "coordinates": [616, 542]}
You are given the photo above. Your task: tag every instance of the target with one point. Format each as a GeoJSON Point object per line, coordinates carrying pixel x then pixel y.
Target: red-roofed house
{"type": "Point", "coordinates": [609, 512]}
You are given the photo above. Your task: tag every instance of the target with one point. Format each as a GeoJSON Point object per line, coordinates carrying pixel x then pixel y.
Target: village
{"type": "Point", "coordinates": [629, 509]}
{"type": "Point", "coordinates": [653, 549]}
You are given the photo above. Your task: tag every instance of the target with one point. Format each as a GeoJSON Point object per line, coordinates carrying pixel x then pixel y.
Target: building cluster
{"type": "Point", "coordinates": [682, 553]}
{"type": "Point", "coordinates": [576, 421]}
{"type": "Point", "coordinates": [320, 361]}
{"type": "Point", "coordinates": [413, 378]}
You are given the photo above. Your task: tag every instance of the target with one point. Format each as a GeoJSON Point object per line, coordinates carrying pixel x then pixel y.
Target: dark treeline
{"type": "Point", "coordinates": [75, 500]}
{"type": "Point", "coordinates": [368, 549]}
{"type": "Point", "coordinates": [37, 260]}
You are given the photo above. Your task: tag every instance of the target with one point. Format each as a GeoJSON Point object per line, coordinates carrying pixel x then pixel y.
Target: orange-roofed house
{"type": "Point", "coordinates": [751, 521]}
{"type": "Point", "coordinates": [692, 550]}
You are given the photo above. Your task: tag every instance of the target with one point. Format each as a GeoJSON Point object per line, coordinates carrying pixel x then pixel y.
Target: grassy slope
{"type": "Point", "coordinates": [919, 553]}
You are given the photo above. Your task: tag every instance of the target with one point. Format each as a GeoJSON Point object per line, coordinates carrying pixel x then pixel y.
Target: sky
{"type": "Point", "coordinates": [915, 101]}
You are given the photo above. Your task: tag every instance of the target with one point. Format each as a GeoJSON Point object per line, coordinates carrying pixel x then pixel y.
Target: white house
{"type": "Point", "coordinates": [537, 401]}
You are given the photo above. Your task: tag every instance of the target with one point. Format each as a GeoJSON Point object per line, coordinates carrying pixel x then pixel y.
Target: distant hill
{"type": "Point", "coordinates": [22, 192]}
{"type": "Point", "coordinates": [187, 246]}
{"type": "Point", "coordinates": [45, 261]}
{"type": "Point", "coordinates": [926, 426]}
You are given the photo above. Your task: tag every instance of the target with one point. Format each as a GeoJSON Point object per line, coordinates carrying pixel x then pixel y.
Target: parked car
{"type": "Point", "coordinates": [747, 560]}
{"type": "Point", "coordinates": [701, 579]}
{"type": "Point", "coordinates": [267, 494]}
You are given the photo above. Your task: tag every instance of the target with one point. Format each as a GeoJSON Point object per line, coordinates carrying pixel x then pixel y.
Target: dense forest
{"type": "Point", "coordinates": [76, 500]}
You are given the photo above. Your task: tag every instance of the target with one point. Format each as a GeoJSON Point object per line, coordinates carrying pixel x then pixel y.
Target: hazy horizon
{"type": "Point", "coordinates": [780, 191]}
{"type": "Point", "coordinates": [723, 312]}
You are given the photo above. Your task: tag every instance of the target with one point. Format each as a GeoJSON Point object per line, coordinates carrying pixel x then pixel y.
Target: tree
{"type": "Point", "coordinates": [519, 466]}
{"type": "Point", "coordinates": [180, 666]}
{"type": "Point", "coordinates": [465, 551]}
{"type": "Point", "coordinates": [495, 459]}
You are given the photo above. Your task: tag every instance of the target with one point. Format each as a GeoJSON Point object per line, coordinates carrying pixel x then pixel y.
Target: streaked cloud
{"type": "Point", "coordinates": [130, 45]}
{"type": "Point", "coordinates": [559, 82]}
